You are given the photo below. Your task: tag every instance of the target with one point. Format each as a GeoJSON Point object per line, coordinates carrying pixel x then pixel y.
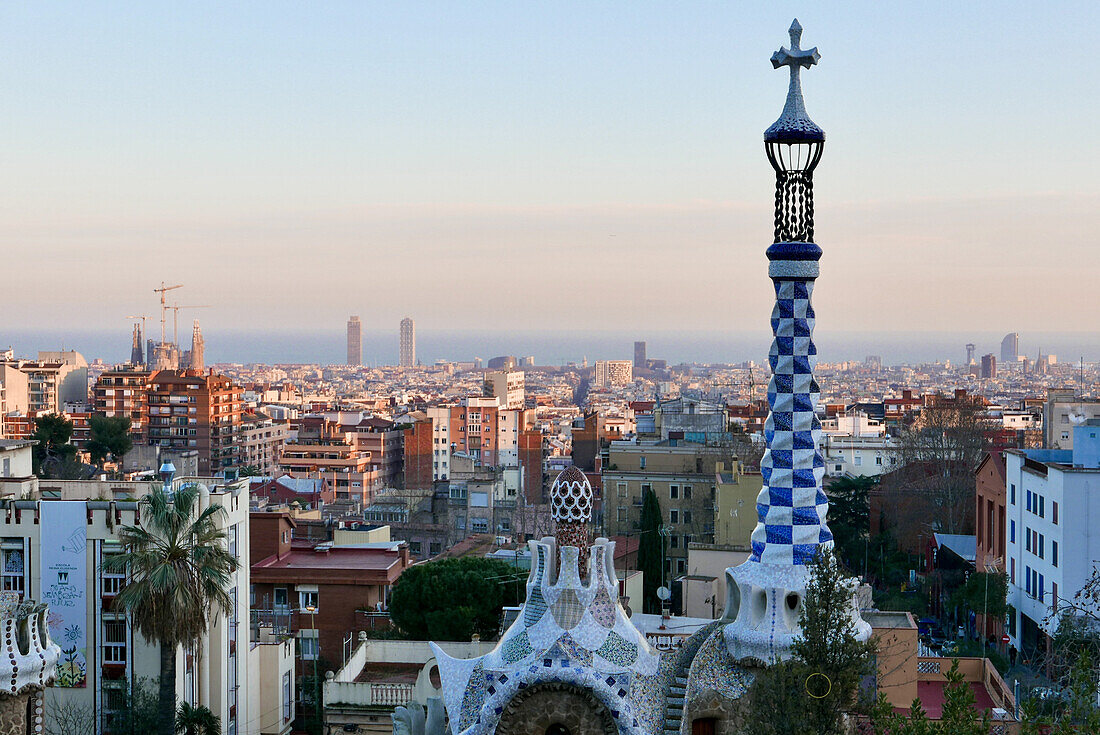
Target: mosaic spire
{"type": "Point", "coordinates": [791, 507]}
{"type": "Point", "coordinates": [765, 594]}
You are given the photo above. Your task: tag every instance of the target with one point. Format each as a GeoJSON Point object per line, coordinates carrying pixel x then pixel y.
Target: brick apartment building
{"type": "Point", "coordinates": [125, 392]}
{"type": "Point", "coordinates": [989, 525]}
{"type": "Point", "coordinates": [200, 411]}
{"type": "Point", "coordinates": [340, 583]}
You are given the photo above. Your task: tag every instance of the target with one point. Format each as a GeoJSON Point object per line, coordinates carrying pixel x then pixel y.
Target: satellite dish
{"type": "Point", "coordinates": [664, 593]}
{"type": "Point", "coordinates": [1077, 416]}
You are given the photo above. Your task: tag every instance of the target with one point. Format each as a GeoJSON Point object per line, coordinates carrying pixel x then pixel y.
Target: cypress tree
{"type": "Point", "coordinates": [650, 551]}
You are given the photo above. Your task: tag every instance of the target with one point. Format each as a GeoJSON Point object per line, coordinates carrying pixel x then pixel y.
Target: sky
{"type": "Point", "coordinates": [525, 166]}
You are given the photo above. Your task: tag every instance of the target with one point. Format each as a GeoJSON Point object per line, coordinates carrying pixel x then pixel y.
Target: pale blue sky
{"type": "Point", "coordinates": [483, 164]}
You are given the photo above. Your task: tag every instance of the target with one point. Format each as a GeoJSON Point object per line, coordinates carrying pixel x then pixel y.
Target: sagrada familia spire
{"type": "Point", "coordinates": [765, 594]}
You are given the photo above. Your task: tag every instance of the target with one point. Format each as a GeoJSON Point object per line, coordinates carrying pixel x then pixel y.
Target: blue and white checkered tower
{"type": "Point", "coordinates": [764, 595]}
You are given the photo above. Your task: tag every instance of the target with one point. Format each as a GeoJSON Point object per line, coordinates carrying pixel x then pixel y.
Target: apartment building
{"type": "Point", "coordinates": [480, 428]}
{"type": "Point", "coordinates": [200, 411]}
{"type": "Point", "coordinates": [262, 441]}
{"type": "Point", "coordinates": [1052, 530]}
{"type": "Point", "coordinates": [1062, 411]}
{"type": "Point", "coordinates": [125, 392]}
{"type": "Point", "coordinates": [610, 373]}
{"type": "Point", "coordinates": [51, 381]}
{"type": "Point", "coordinates": [507, 386]}
{"type": "Point", "coordinates": [682, 475]}
{"type": "Point", "coordinates": [318, 593]}
{"type": "Point", "coordinates": [53, 551]}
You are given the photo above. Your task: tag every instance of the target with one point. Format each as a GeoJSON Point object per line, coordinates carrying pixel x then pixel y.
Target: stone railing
{"type": "Point", "coordinates": [367, 694]}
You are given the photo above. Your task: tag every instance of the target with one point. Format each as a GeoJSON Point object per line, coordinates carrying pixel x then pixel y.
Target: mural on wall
{"type": "Point", "coordinates": [64, 570]}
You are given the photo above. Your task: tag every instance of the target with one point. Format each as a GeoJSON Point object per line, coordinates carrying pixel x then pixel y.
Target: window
{"type": "Point", "coordinates": [1042, 506]}
{"type": "Point", "coordinates": [839, 468]}
{"type": "Point", "coordinates": [479, 525]}
{"type": "Point", "coordinates": [435, 547]}
{"type": "Point", "coordinates": [281, 597]}
{"type": "Point", "coordinates": [1012, 532]}
{"type": "Point", "coordinates": [1012, 495]}
{"type": "Point", "coordinates": [1054, 512]}
{"type": "Point", "coordinates": [1042, 545]}
{"type": "Point", "coordinates": [673, 491]}
{"type": "Point", "coordinates": [1054, 596]}
{"type": "Point", "coordinates": [620, 514]}
{"type": "Point", "coordinates": [859, 461]}
{"type": "Point", "coordinates": [674, 541]}
{"type": "Point", "coordinates": [1027, 580]}
{"type": "Point", "coordinates": [1012, 571]}
{"type": "Point", "coordinates": [621, 488]}
{"type": "Point", "coordinates": [674, 516]}
{"type": "Point", "coordinates": [1065, 435]}
{"type": "Point", "coordinates": [13, 569]}
{"type": "Point", "coordinates": [878, 460]}
{"type": "Point", "coordinates": [287, 699]}
{"type": "Point", "coordinates": [687, 492]}
{"type": "Point", "coordinates": [1028, 503]}
{"type": "Point", "coordinates": [307, 645]}
{"type": "Point", "coordinates": [414, 548]}
{"type": "Point", "coordinates": [1027, 539]}
{"type": "Point", "coordinates": [681, 566]}
{"type": "Point", "coordinates": [641, 462]}
{"type": "Point", "coordinates": [1041, 589]}
{"type": "Point", "coordinates": [114, 641]}
{"type": "Point", "coordinates": [687, 516]}
{"type": "Point", "coordinates": [1054, 552]}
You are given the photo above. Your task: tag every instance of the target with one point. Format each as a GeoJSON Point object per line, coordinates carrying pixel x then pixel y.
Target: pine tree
{"type": "Point", "coordinates": [651, 551]}
{"type": "Point", "coordinates": [829, 646]}
{"type": "Point", "coordinates": [959, 717]}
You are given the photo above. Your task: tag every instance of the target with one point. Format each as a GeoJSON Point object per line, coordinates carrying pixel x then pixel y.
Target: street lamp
{"type": "Point", "coordinates": [312, 610]}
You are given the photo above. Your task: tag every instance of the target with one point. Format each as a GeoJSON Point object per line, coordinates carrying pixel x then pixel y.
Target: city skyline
{"type": "Point", "coordinates": [628, 141]}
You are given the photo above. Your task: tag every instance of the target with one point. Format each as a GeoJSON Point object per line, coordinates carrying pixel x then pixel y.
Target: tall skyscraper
{"type": "Point", "coordinates": [639, 354]}
{"type": "Point", "coordinates": [791, 509]}
{"type": "Point", "coordinates": [989, 366]}
{"type": "Point", "coordinates": [970, 353]}
{"type": "Point", "coordinates": [1010, 348]}
{"type": "Point", "coordinates": [355, 341]}
{"type": "Point", "coordinates": [408, 342]}
{"type": "Point", "coordinates": [198, 348]}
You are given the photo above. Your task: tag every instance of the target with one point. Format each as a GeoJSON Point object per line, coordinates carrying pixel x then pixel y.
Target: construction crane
{"type": "Point", "coordinates": [142, 317]}
{"type": "Point", "coordinates": [176, 319]}
{"type": "Point", "coordinates": [164, 305]}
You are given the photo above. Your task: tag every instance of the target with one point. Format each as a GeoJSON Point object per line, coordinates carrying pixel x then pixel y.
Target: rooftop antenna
{"type": "Point", "coordinates": [164, 305]}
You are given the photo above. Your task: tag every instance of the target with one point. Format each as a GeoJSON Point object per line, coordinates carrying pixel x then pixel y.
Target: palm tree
{"type": "Point", "coordinates": [179, 568]}
{"type": "Point", "coordinates": [196, 721]}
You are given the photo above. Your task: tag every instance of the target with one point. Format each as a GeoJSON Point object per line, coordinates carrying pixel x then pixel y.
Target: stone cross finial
{"type": "Point", "coordinates": [795, 57]}
{"type": "Point", "coordinates": [794, 122]}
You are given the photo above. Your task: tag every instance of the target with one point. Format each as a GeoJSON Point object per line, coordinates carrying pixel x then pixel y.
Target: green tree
{"type": "Point", "coordinates": [651, 551]}
{"type": "Point", "coordinates": [849, 519]}
{"type": "Point", "coordinates": [985, 593]}
{"type": "Point", "coordinates": [52, 432]}
{"type": "Point", "coordinates": [249, 470]}
{"type": "Point", "coordinates": [959, 717]}
{"type": "Point", "coordinates": [139, 711]}
{"type": "Point", "coordinates": [884, 721]}
{"type": "Point", "coordinates": [109, 436]}
{"type": "Point", "coordinates": [1078, 711]}
{"type": "Point", "coordinates": [178, 574]}
{"type": "Point", "coordinates": [191, 720]}
{"type": "Point", "coordinates": [820, 684]}
{"type": "Point", "coordinates": [451, 599]}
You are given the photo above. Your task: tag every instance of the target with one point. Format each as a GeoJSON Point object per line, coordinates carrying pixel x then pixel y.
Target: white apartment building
{"type": "Point", "coordinates": [859, 456]}
{"type": "Point", "coordinates": [480, 427]}
{"type": "Point", "coordinates": [1052, 531]}
{"type": "Point", "coordinates": [1061, 412]}
{"type": "Point", "coordinates": [53, 551]}
{"type": "Point", "coordinates": [610, 373]}
{"type": "Point", "coordinates": [507, 385]}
